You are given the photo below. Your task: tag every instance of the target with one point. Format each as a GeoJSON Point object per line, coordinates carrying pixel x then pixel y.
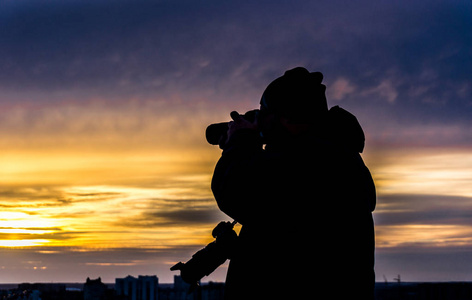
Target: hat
{"type": "Point", "coordinates": [297, 95]}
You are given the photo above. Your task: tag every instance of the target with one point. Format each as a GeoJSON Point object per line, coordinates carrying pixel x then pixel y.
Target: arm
{"type": "Point", "coordinates": [235, 179]}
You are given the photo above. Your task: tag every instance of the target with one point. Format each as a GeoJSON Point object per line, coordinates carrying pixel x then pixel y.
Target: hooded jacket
{"type": "Point", "coordinates": [305, 206]}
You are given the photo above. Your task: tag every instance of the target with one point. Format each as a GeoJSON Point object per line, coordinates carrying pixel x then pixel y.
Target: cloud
{"type": "Point", "coordinates": [432, 171]}
{"type": "Point", "coordinates": [31, 196]}
{"type": "Point", "coordinates": [385, 90]}
{"type": "Point", "coordinates": [144, 47]}
{"type": "Point", "coordinates": [184, 216]}
{"type": "Point", "coordinates": [53, 264]}
{"type": "Point", "coordinates": [133, 48]}
{"type": "Point", "coordinates": [421, 221]}
{"type": "Point", "coordinates": [52, 235]}
{"type": "Point", "coordinates": [340, 89]}
{"type": "Point", "coordinates": [37, 197]}
{"type": "Point", "coordinates": [395, 135]}
{"type": "Point", "coordinates": [171, 213]}
{"type": "Point", "coordinates": [423, 210]}
{"type": "Point", "coordinates": [380, 60]}
{"type": "Point", "coordinates": [427, 264]}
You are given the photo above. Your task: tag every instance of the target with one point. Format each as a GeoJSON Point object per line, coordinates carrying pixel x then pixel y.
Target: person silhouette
{"type": "Point", "coordinates": [304, 201]}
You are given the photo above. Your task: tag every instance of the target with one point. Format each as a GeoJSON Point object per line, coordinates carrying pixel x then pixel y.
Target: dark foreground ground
{"type": "Point", "coordinates": [424, 291]}
{"type": "Point", "coordinates": [214, 291]}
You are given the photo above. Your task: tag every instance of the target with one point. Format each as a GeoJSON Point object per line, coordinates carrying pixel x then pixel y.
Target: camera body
{"type": "Point", "coordinates": [206, 260]}
{"type": "Point", "coordinates": [217, 133]}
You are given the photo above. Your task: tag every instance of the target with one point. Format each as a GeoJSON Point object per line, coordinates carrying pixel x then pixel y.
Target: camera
{"type": "Point", "coordinates": [206, 260]}
{"type": "Point", "coordinates": [217, 133]}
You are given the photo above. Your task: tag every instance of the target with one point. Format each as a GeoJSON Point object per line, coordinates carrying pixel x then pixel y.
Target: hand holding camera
{"type": "Point", "coordinates": [239, 122]}
{"type": "Point", "coordinates": [219, 133]}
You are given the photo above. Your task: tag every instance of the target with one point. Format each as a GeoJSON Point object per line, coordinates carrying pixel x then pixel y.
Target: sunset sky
{"type": "Point", "coordinates": [104, 168]}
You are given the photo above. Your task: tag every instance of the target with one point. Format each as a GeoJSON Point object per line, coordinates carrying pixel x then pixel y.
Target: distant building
{"type": "Point", "coordinates": [35, 295]}
{"type": "Point", "coordinates": [179, 291]}
{"type": "Point", "coordinates": [147, 288]}
{"type": "Point", "coordinates": [43, 287]}
{"type": "Point", "coordinates": [212, 291]}
{"type": "Point", "coordinates": [38, 291]}
{"type": "Point", "coordinates": [95, 289]}
{"type": "Point", "coordinates": [141, 288]}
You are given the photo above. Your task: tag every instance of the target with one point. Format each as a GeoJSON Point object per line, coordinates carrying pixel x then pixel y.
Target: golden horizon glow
{"type": "Point", "coordinates": [424, 235]}
{"type": "Point", "coordinates": [106, 216]}
{"type": "Point", "coordinates": [114, 215]}
{"type": "Point", "coordinates": [138, 177]}
{"type": "Point", "coordinates": [435, 171]}
{"type": "Point", "coordinates": [429, 174]}
{"type": "Point", "coordinates": [23, 243]}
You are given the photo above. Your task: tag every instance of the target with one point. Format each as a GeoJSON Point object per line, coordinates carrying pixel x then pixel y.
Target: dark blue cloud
{"type": "Point", "coordinates": [409, 58]}
{"type": "Point", "coordinates": [423, 210]}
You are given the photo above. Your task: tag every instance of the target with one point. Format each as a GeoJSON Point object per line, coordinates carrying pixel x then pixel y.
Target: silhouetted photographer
{"type": "Point", "coordinates": [304, 200]}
